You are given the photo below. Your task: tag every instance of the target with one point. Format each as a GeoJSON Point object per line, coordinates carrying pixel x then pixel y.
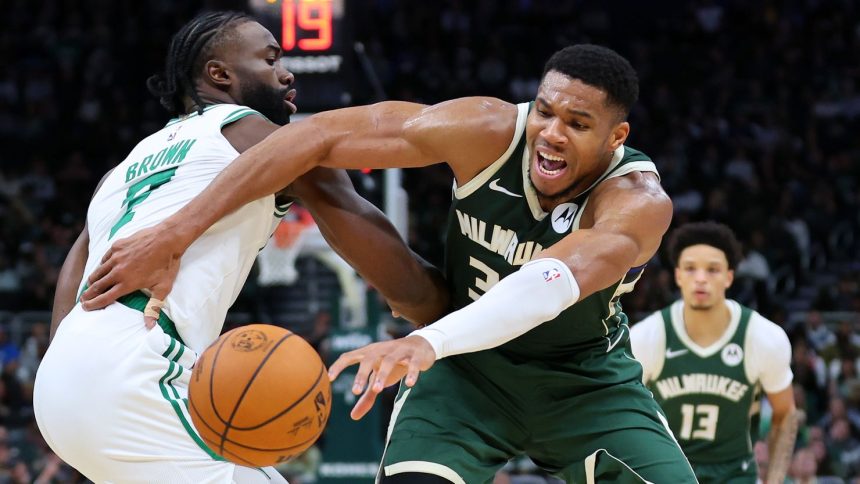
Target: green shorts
{"type": "Point", "coordinates": [739, 471]}
{"type": "Point", "coordinates": [468, 416]}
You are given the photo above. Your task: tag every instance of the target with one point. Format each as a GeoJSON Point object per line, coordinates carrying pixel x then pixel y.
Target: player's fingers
{"type": "Point", "coordinates": [412, 373]}
{"type": "Point", "coordinates": [107, 255]}
{"type": "Point", "coordinates": [100, 272]}
{"type": "Point", "coordinates": [99, 286]}
{"type": "Point", "coordinates": [385, 367]}
{"type": "Point", "coordinates": [365, 368]}
{"type": "Point", "coordinates": [162, 288]}
{"type": "Point", "coordinates": [363, 405]}
{"type": "Point", "coordinates": [345, 360]}
{"type": "Point", "coordinates": [152, 311]}
{"type": "Point", "coordinates": [106, 298]}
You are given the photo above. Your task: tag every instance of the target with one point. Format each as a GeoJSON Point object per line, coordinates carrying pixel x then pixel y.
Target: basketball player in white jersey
{"type": "Point", "coordinates": [110, 395]}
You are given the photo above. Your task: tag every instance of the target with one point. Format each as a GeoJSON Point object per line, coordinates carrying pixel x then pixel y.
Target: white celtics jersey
{"type": "Point", "coordinates": [160, 176]}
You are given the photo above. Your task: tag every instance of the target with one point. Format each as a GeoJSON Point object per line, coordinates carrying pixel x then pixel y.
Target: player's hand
{"type": "Point", "coordinates": [381, 365]}
{"type": "Point", "coordinates": [145, 261]}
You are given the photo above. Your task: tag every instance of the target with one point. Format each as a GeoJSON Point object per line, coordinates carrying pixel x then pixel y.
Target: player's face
{"type": "Point", "coordinates": [263, 82]}
{"type": "Point", "coordinates": [703, 275]}
{"type": "Point", "coordinates": [571, 134]}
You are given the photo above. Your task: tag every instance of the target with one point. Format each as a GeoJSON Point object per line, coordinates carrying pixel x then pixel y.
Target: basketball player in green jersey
{"type": "Point", "coordinates": [706, 358]}
{"type": "Point", "coordinates": [552, 219]}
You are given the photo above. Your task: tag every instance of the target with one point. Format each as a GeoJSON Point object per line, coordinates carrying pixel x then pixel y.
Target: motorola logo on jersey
{"type": "Point", "coordinates": [732, 354]}
{"type": "Point", "coordinates": [562, 217]}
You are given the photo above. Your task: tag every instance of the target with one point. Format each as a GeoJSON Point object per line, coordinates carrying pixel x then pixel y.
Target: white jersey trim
{"type": "Point", "coordinates": [484, 176]}
{"type": "Point", "coordinates": [677, 312]}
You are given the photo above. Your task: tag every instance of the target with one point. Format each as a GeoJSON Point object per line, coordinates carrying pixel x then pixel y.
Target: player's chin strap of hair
{"type": "Point", "coordinates": [536, 293]}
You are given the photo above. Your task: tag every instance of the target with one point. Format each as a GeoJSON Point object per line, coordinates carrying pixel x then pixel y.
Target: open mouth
{"type": "Point", "coordinates": [550, 165]}
{"type": "Point", "coordinates": [288, 100]}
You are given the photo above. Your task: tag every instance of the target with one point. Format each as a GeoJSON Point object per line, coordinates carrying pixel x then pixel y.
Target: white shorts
{"type": "Point", "coordinates": [110, 398]}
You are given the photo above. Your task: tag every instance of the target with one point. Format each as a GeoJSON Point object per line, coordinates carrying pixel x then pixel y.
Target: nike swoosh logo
{"type": "Point", "coordinates": [617, 340]}
{"type": "Point", "coordinates": [672, 354]}
{"type": "Point", "coordinates": [494, 185]}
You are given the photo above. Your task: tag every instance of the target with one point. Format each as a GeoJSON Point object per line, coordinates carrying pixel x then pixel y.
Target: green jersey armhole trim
{"type": "Point", "coordinates": [239, 114]}
{"type": "Point", "coordinates": [188, 116]}
{"type": "Point", "coordinates": [484, 176]}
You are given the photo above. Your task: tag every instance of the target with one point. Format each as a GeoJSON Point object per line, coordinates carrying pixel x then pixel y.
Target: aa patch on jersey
{"type": "Point", "coordinates": [732, 354]}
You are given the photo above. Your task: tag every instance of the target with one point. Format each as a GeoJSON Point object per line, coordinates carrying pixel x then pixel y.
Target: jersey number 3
{"type": "Point", "coordinates": [706, 421]}
{"type": "Point", "coordinates": [490, 278]}
{"type": "Point", "coordinates": [138, 193]}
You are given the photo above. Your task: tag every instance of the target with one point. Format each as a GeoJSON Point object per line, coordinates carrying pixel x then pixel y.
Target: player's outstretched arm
{"type": "Point", "coordinates": [630, 215]}
{"type": "Point", "coordinates": [468, 134]}
{"type": "Point", "coordinates": [363, 236]}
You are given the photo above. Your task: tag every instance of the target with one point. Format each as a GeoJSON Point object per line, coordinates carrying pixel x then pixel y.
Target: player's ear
{"type": "Point", "coordinates": [730, 278]}
{"type": "Point", "coordinates": [217, 73]}
{"type": "Point", "coordinates": [619, 135]}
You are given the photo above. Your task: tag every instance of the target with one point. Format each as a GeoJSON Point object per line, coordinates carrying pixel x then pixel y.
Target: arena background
{"type": "Point", "coordinates": [750, 110]}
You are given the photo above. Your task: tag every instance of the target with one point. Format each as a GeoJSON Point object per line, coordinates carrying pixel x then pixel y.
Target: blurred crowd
{"type": "Point", "coordinates": [747, 108]}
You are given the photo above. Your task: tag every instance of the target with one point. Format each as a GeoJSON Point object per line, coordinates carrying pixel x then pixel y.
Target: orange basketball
{"type": "Point", "coordinates": [259, 395]}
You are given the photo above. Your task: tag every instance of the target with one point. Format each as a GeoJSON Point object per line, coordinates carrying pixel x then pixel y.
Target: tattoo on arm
{"type": "Point", "coordinates": [781, 445]}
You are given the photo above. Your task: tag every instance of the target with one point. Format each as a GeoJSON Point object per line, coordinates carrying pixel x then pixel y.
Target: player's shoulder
{"type": "Point", "coordinates": [649, 329]}
{"type": "Point", "coordinates": [631, 154]}
{"type": "Point", "coordinates": [227, 114]}
{"type": "Point", "coordinates": [650, 322]}
{"type": "Point", "coordinates": [766, 335]}
{"type": "Point", "coordinates": [244, 127]}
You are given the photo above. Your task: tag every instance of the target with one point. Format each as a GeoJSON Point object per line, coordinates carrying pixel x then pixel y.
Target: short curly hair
{"type": "Point", "coordinates": [713, 234]}
{"type": "Point", "coordinates": [600, 67]}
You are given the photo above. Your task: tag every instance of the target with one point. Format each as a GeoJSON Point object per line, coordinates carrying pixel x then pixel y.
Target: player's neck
{"type": "Point", "coordinates": [208, 99]}
{"type": "Point", "coordinates": [706, 326]}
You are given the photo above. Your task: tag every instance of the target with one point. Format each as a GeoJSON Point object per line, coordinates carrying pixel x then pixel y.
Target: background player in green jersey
{"type": "Point", "coordinates": [706, 358]}
{"type": "Point", "coordinates": [552, 220]}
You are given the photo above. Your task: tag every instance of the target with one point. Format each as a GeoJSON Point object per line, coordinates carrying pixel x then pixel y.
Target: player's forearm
{"type": "Point", "coordinates": [65, 295]}
{"type": "Point", "coordinates": [412, 287]}
{"type": "Point", "coordinates": [781, 445]}
{"type": "Point", "coordinates": [426, 301]}
{"type": "Point", "coordinates": [598, 260]}
{"type": "Point", "coordinates": [365, 238]}
{"type": "Point", "coordinates": [538, 292]}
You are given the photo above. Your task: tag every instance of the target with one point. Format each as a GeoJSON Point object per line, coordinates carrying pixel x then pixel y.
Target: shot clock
{"type": "Point", "coordinates": [318, 48]}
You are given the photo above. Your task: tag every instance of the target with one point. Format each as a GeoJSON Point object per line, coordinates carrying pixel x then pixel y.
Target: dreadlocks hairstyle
{"type": "Point", "coordinates": [600, 67]}
{"type": "Point", "coordinates": [189, 49]}
{"type": "Point", "coordinates": [707, 233]}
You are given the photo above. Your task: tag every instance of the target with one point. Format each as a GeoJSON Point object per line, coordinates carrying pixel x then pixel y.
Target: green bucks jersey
{"type": "Point", "coordinates": [496, 225]}
{"type": "Point", "coordinates": [710, 394]}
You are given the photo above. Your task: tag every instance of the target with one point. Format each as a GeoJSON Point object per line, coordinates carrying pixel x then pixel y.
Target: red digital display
{"type": "Point", "coordinates": [306, 24]}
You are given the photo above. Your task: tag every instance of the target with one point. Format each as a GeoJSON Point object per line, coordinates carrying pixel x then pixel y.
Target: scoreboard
{"type": "Point", "coordinates": [318, 48]}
